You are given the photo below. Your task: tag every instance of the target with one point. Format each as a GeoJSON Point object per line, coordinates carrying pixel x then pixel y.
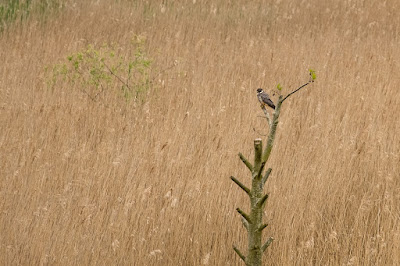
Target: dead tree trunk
{"type": "Point", "coordinates": [253, 222]}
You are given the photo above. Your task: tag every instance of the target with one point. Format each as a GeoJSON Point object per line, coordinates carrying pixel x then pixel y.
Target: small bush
{"type": "Point", "coordinates": [99, 70]}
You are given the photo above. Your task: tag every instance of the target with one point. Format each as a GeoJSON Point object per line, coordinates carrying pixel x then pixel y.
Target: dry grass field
{"type": "Point", "coordinates": [117, 183]}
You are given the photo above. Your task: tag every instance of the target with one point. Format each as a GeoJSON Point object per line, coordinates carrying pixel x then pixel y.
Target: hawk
{"type": "Point", "coordinates": [264, 99]}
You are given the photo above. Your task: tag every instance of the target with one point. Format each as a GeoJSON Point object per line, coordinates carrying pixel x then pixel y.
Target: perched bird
{"type": "Point", "coordinates": [264, 98]}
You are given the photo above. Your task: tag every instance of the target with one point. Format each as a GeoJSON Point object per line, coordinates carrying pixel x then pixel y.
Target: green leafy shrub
{"type": "Point", "coordinates": [96, 71]}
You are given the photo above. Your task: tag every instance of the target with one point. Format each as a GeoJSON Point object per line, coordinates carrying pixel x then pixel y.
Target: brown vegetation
{"type": "Point", "coordinates": [84, 183]}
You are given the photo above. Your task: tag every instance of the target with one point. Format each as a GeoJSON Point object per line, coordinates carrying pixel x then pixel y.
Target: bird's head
{"type": "Point", "coordinates": [259, 90]}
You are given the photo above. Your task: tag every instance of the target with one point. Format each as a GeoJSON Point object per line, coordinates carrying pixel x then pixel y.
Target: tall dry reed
{"type": "Point", "coordinates": [126, 184]}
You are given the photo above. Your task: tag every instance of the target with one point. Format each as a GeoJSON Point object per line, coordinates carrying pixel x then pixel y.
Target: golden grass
{"type": "Point", "coordinates": [149, 184]}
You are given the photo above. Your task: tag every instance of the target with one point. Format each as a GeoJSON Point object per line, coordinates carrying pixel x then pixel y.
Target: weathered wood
{"type": "Point", "coordinates": [254, 236]}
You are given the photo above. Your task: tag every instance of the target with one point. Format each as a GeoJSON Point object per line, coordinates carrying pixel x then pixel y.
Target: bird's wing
{"type": "Point", "coordinates": [268, 101]}
{"type": "Point", "coordinates": [265, 97]}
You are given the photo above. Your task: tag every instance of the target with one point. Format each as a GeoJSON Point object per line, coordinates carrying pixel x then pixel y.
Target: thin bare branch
{"type": "Point", "coordinates": [259, 133]}
{"type": "Point", "coordinates": [244, 215]}
{"type": "Point", "coordinates": [262, 227]}
{"type": "Point", "coordinates": [267, 243]}
{"type": "Point", "coordinates": [262, 200]}
{"type": "Point", "coordinates": [246, 162]}
{"type": "Point", "coordinates": [266, 115]}
{"type": "Point", "coordinates": [118, 77]}
{"type": "Point", "coordinates": [296, 90]}
{"type": "Point", "coordinates": [246, 189]}
{"type": "Point", "coordinates": [245, 224]}
{"type": "Point", "coordinates": [239, 253]}
{"type": "Point", "coordinates": [260, 170]}
{"type": "Point", "coordinates": [272, 131]}
{"type": "Point", "coordinates": [265, 177]}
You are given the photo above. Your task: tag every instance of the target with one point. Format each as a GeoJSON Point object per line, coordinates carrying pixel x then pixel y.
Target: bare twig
{"type": "Point", "coordinates": [296, 90]}
{"type": "Point", "coordinates": [262, 200]}
{"type": "Point", "coordinates": [264, 135]}
{"type": "Point", "coordinates": [246, 162]}
{"type": "Point", "coordinates": [245, 224]}
{"type": "Point", "coordinates": [244, 215]}
{"type": "Point", "coordinates": [267, 243]}
{"type": "Point", "coordinates": [118, 77]}
{"type": "Point", "coordinates": [265, 177]}
{"type": "Point", "coordinates": [262, 227]}
{"type": "Point", "coordinates": [261, 169]}
{"type": "Point", "coordinates": [237, 182]}
{"type": "Point", "coordinates": [239, 253]}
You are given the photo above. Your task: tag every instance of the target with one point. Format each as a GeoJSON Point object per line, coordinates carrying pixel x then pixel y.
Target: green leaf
{"type": "Point", "coordinates": [279, 87]}
{"type": "Point", "coordinates": [313, 74]}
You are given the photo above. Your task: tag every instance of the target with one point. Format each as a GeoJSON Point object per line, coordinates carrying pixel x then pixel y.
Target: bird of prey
{"type": "Point", "coordinates": [264, 98]}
